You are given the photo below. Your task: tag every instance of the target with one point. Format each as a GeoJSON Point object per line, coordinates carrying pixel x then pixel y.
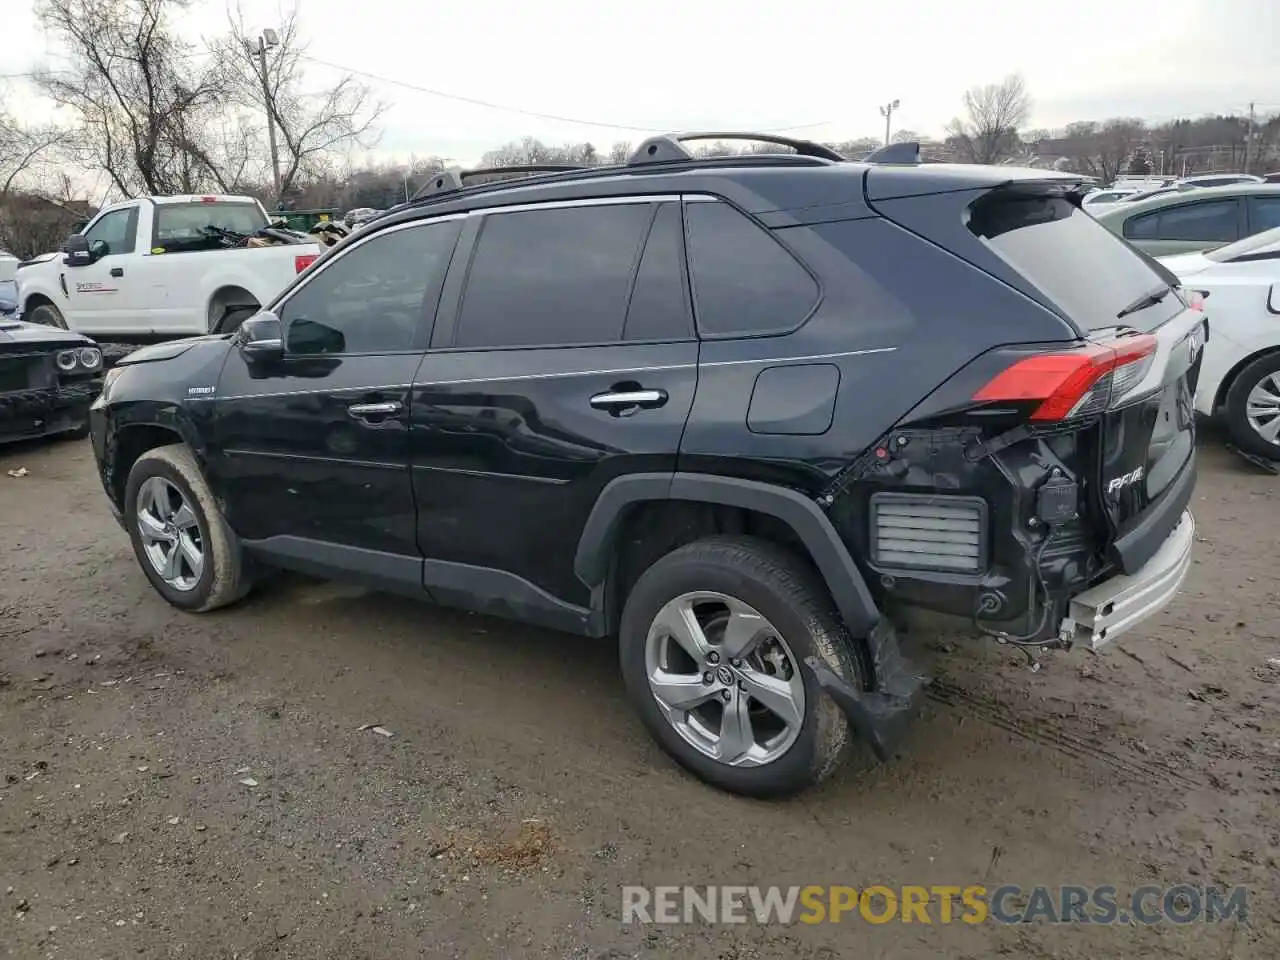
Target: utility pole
{"type": "Point", "coordinates": [1248, 143]}
{"type": "Point", "coordinates": [266, 41]}
{"type": "Point", "coordinates": [887, 112]}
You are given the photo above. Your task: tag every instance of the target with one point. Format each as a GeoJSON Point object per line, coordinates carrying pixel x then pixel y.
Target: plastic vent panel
{"type": "Point", "coordinates": [939, 532]}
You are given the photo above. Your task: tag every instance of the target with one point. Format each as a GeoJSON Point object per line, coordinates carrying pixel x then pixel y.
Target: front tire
{"type": "Point", "coordinates": [77, 433]}
{"type": "Point", "coordinates": [47, 314]}
{"type": "Point", "coordinates": [712, 644]}
{"type": "Point", "coordinates": [182, 543]}
{"type": "Point", "coordinates": [1253, 407]}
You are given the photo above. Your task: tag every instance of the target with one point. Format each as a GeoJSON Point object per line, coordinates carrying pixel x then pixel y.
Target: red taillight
{"type": "Point", "coordinates": [304, 260]}
{"type": "Point", "coordinates": [1071, 382]}
{"type": "Point", "coordinates": [208, 199]}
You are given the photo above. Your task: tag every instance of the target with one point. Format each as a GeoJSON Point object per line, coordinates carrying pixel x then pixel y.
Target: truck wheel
{"type": "Point", "coordinates": [1253, 407]}
{"type": "Point", "coordinates": [712, 645]}
{"type": "Point", "coordinates": [47, 314]}
{"type": "Point", "coordinates": [182, 543]}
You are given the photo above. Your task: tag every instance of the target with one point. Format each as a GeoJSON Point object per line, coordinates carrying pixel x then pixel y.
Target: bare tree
{"type": "Point", "coordinates": [993, 114]}
{"type": "Point", "coordinates": [312, 128]}
{"type": "Point", "coordinates": [906, 136]}
{"type": "Point", "coordinates": [1102, 150]}
{"type": "Point", "coordinates": [139, 100]}
{"type": "Point", "coordinates": [23, 150]}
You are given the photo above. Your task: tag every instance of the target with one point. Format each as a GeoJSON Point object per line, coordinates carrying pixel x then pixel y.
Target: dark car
{"type": "Point", "coordinates": [736, 412]}
{"type": "Point", "coordinates": [48, 377]}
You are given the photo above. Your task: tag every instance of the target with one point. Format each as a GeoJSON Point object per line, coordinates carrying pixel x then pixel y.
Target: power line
{"type": "Point", "coordinates": [488, 104]}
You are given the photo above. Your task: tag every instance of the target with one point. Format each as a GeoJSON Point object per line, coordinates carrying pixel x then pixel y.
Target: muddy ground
{"type": "Point", "coordinates": [198, 787]}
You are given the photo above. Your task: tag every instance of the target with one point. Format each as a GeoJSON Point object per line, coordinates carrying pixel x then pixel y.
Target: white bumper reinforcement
{"type": "Point", "coordinates": [1102, 613]}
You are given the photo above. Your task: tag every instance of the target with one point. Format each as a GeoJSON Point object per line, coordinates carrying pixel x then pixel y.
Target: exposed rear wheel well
{"type": "Point", "coordinates": [131, 443]}
{"type": "Point", "coordinates": [652, 529]}
{"type": "Point", "coordinates": [1230, 378]}
{"type": "Point", "coordinates": [227, 299]}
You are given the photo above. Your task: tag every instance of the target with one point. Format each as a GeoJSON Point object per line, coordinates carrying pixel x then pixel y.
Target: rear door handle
{"type": "Point", "coordinates": [629, 398]}
{"type": "Point", "coordinates": [382, 409]}
{"type": "Point", "coordinates": [117, 271]}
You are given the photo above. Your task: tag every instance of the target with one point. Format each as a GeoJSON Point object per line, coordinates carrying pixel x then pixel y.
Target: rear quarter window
{"type": "Point", "coordinates": [745, 283]}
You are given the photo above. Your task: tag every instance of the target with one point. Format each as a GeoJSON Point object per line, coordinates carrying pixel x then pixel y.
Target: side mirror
{"type": "Point", "coordinates": [260, 338]}
{"type": "Point", "coordinates": [78, 251]}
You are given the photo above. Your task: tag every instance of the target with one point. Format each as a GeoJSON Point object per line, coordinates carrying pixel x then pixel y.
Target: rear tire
{"type": "Point", "coordinates": [780, 600]}
{"type": "Point", "coordinates": [47, 314]}
{"type": "Point", "coordinates": [171, 512]}
{"type": "Point", "coordinates": [1251, 415]}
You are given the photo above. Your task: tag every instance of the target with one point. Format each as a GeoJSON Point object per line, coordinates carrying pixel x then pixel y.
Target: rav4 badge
{"type": "Point", "coordinates": [1125, 480]}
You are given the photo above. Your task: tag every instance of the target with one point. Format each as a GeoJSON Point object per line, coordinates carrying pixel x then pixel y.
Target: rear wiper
{"type": "Point", "coordinates": [1146, 300]}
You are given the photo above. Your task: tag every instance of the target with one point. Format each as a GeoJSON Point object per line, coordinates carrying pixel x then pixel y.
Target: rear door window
{"type": "Point", "coordinates": [1211, 221]}
{"type": "Point", "coordinates": [744, 281]}
{"type": "Point", "coordinates": [1078, 264]}
{"type": "Point", "coordinates": [1264, 213]}
{"type": "Point", "coordinates": [554, 277]}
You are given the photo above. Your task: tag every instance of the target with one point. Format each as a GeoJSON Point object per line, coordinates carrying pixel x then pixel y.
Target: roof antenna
{"type": "Point", "coordinates": [906, 153]}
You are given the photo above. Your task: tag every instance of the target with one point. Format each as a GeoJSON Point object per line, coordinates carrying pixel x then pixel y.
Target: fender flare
{"type": "Point", "coordinates": [835, 564]}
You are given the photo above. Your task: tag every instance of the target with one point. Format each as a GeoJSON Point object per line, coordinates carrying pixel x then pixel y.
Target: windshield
{"type": "Point", "coordinates": [1088, 272]}
{"type": "Point", "coordinates": [179, 223]}
{"type": "Point", "coordinates": [1258, 243]}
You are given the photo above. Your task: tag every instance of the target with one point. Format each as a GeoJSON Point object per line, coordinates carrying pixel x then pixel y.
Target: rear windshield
{"type": "Point", "coordinates": [1088, 272]}
{"type": "Point", "coordinates": [181, 223]}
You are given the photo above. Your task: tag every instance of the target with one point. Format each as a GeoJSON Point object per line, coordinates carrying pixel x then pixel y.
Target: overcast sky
{"type": "Point", "coordinates": [816, 67]}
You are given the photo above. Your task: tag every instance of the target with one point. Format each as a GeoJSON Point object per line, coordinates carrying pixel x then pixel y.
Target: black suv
{"type": "Point", "coordinates": [733, 411]}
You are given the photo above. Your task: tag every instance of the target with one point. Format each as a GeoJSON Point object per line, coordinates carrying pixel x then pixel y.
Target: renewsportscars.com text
{"type": "Point", "coordinates": [973, 904]}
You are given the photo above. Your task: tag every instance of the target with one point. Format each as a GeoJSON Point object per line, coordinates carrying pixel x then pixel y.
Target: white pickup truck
{"type": "Point", "coordinates": [152, 268]}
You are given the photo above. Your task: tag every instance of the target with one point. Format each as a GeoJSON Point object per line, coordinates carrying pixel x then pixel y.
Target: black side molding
{"type": "Point", "coordinates": [844, 580]}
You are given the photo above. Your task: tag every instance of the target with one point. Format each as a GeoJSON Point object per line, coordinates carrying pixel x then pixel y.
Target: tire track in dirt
{"type": "Point", "coordinates": [1045, 733]}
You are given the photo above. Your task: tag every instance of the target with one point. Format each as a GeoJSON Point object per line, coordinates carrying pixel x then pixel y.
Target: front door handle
{"type": "Point", "coordinates": [383, 409]}
{"type": "Point", "coordinates": [117, 271]}
{"type": "Point", "coordinates": [615, 400]}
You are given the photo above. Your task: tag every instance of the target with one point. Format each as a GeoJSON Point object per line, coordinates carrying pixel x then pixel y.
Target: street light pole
{"type": "Point", "coordinates": [887, 112]}
{"type": "Point", "coordinates": [266, 41]}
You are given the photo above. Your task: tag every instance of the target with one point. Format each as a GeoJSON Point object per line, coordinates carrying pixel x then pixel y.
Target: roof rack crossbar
{"type": "Point", "coordinates": [455, 178]}
{"type": "Point", "coordinates": [669, 148]}
{"type": "Point", "coordinates": [907, 153]}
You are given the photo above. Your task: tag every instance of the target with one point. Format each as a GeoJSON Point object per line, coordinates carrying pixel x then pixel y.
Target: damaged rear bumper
{"type": "Point", "coordinates": [883, 715]}
{"type": "Point", "coordinates": [1102, 613]}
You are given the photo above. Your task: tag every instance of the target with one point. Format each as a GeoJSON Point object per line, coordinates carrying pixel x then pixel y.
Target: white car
{"type": "Point", "coordinates": [1240, 372]}
{"type": "Point", "coordinates": [1107, 196]}
{"type": "Point", "coordinates": [8, 266]}
{"type": "Point", "coordinates": [153, 268]}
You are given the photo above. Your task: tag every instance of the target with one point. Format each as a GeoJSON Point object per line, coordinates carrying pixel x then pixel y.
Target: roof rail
{"type": "Point", "coordinates": [669, 148]}
{"type": "Point", "coordinates": [455, 178]}
{"type": "Point", "coordinates": [907, 152]}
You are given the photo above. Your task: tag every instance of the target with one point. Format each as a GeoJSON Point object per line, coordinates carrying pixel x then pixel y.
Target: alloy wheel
{"type": "Point", "coordinates": [1263, 408]}
{"type": "Point", "coordinates": [170, 534]}
{"type": "Point", "coordinates": [725, 679]}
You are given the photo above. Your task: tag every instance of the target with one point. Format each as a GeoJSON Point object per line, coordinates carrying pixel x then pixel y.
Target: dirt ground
{"type": "Point", "coordinates": [199, 787]}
